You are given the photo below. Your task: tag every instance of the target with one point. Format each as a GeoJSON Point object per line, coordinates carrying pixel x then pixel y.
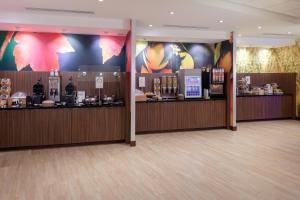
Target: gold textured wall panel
{"type": "Point", "coordinates": [283, 59]}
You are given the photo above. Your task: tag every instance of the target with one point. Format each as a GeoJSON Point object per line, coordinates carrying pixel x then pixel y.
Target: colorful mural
{"type": "Point", "coordinates": [30, 51]}
{"type": "Point", "coordinates": [283, 59]}
{"type": "Point", "coordinates": [159, 57]}
{"type": "Point", "coordinates": [224, 58]}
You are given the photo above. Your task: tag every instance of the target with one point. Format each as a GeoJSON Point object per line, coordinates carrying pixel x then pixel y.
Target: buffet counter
{"type": "Point", "coordinates": [270, 105]}
{"type": "Point", "coordinates": [62, 107]}
{"type": "Point", "coordinates": [30, 127]}
{"type": "Point", "coordinates": [265, 107]}
{"type": "Point", "coordinates": [162, 116]}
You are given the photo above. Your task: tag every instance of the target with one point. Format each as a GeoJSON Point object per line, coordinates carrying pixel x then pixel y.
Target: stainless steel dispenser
{"type": "Point", "coordinates": [191, 83]}
{"type": "Point", "coordinates": [54, 88]}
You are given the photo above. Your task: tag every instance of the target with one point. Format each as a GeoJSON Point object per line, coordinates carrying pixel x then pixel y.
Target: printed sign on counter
{"type": "Point", "coordinates": [142, 82]}
{"type": "Point", "coordinates": [99, 82]}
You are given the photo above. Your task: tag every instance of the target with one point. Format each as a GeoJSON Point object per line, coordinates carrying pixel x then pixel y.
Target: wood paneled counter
{"type": "Point", "coordinates": [265, 107]}
{"type": "Point", "coordinates": [57, 126]}
{"type": "Point", "coordinates": [180, 115]}
{"type": "Point", "coordinates": [250, 108]}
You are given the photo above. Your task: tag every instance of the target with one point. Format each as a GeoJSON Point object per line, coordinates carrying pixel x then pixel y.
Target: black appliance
{"type": "Point", "coordinates": [38, 94]}
{"type": "Point", "coordinates": [206, 78]}
{"type": "Point", "coordinates": [70, 94]}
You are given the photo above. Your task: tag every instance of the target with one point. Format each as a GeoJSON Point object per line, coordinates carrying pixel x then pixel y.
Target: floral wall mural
{"type": "Point", "coordinates": [223, 57]}
{"type": "Point", "coordinates": [160, 57]}
{"type": "Point", "coordinates": [30, 51]}
{"type": "Point", "coordinates": [284, 59]}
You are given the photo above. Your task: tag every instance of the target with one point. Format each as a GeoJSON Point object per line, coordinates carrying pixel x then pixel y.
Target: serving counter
{"type": "Point", "coordinates": [268, 107]}
{"type": "Point", "coordinates": [66, 125]}
{"type": "Point", "coordinates": [165, 116]}
{"type": "Point", "coordinates": [29, 127]}
{"type": "Point", "coordinates": [265, 107]}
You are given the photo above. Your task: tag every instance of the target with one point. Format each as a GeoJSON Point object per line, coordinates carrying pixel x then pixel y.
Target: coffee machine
{"type": "Point", "coordinates": [70, 93]}
{"type": "Point", "coordinates": [38, 94]}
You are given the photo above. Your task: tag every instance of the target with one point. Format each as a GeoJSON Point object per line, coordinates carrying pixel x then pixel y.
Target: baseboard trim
{"type": "Point", "coordinates": [39, 147]}
{"type": "Point", "coordinates": [265, 120]}
{"type": "Point", "coordinates": [178, 130]}
{"type": "Point", "coordinates": [233, 128]}
{"type": "Point", "coordinates": [132, 143]}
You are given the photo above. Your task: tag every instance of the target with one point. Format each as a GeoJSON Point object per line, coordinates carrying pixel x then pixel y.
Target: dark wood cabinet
{"type": "Point", "coordinates": [251, 108]}
{"type": "Point", "coordinates": [185, 115]}
{"type": "Point", "coordinates": [43, 127]}
{"type": "Point", "coordinates": [11, 124]}
{"type": "Point", "coordinates": [92, 125]}
{"type": "Point", "coordinates": [265, 107]}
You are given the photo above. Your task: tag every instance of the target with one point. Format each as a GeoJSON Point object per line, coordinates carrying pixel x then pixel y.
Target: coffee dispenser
{"type": "Point", "coordinates": [54, 87]}
{"type": "Point", "coordinates": [70, 95]}
{"type": "Point", "coordinates": [38, 94]}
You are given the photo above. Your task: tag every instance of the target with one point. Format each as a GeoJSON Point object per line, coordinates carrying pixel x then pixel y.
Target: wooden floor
{"type": "Point", "coordinates": [260, 161]}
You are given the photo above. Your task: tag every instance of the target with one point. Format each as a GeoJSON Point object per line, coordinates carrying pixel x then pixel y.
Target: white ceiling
{"type": "Point", "coordinates": [277, 17]}
{"type": "Point", "coordinates": [264, 42]}
{"type": "Point", "coordinates": [286, 7]}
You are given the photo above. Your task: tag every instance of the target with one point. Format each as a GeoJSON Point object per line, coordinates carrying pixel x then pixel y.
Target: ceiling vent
{"type": "Point", "coordinates": [278, 34]}
{"type": "Point", "coordinates": [186, 27]}
{"type": "Point", "coordinates": [60, 10]}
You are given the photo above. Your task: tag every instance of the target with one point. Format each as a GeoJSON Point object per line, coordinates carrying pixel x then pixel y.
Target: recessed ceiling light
{"type": "Point", "coordinates": [150, 25]}
{"type": "Point", "coordinates": [259, 27]}
{"type": "Point", "coordinates": [172, 13]}
{"type": "Point", "coordinates": [100, 0]}
{"type": "Point", "coordinates": [220, 21]}
{"type": "Point", "coordinates": [289, 33]}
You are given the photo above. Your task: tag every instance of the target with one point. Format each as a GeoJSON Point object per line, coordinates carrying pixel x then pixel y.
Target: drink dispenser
{"type": "Point", "coordinates": [191, 83]}
{"type": "Point", "coordinates": [54, 87]}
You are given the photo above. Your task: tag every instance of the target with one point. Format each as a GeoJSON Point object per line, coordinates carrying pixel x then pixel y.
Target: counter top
{"type": "Point", "coordinates": [185, 100]}
{"type": "Point", "coordinates": [273, 95]}
{"type": "Point", "coordinates": [63, 107]}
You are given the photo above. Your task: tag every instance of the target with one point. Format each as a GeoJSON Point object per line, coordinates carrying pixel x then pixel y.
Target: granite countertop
{"type": "Point", "coordinates": [185, 100]}
{"type": "Point", "coordinates": [121, 104]}
{"type": "Point", "coordinates": [265, 95]}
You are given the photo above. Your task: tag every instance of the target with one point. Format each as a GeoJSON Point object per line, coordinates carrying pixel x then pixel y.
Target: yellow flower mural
{"type": "Point", "coordinates": [283, 59]}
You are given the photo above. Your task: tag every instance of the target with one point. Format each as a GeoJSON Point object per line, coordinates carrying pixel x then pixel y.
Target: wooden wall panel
{"type": "Point", "coordinates": [98, 125]}
{"type": "Point", "coordinates": [11, 124]}
{"type": "Point", "coordinates": [142, 117]}
{"type": "Point", "coordinates": [286, 81]}
{"type": "Point", "coordinates": [115, 124]}
{"type": "Point", "coordinates": [24, 81]}
{"type": "Point", "coordinates": [253, 108]}
{"type": "Point", "coordinates": [265, 107]}
{"type": "Point", "coordinates": [170, 116]}
{"type": "Point", "coordinates": [40, 127]}
{"type": "Point", "coordinates": [36, 128]}
{"type": "Point", "coordinates": [59, 126]}
{"type": "Point", "coordinates": [153, 122]}
{"type": "Point", "coordinates": [80, 125]}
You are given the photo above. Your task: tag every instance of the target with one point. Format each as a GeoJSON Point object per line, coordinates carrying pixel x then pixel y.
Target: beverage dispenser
{"type": "Point", "coordinates": [191, 83]}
